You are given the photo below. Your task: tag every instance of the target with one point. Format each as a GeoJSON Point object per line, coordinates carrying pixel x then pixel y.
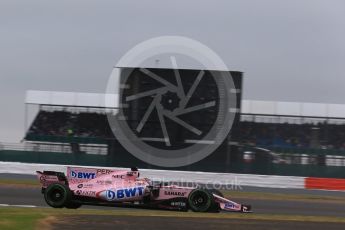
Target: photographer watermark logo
{"type": "Point", "coordinates": [171, 117]}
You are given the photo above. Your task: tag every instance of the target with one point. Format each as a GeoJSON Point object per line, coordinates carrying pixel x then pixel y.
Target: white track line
{"type": "Point", "coordinates": [18, 205]}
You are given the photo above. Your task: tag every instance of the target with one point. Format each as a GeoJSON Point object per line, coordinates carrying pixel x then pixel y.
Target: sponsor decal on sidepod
{"type": "Point", "coordinates": [85, 193]}
{"type": "Point", "coordinates": [103, 171]}
{"type": "Point", "coordinates": [104, 182]}
{"type": "Point", "coordinates": [178, 204]}
{"type": "Point", "coordinates": [119, 194]}
{"type": "Point", "coordinates": [85, 186]}
{"type": "Point", "coordinates": [174, 193]}
{"type": "Point", "coordinates": [82, 175]}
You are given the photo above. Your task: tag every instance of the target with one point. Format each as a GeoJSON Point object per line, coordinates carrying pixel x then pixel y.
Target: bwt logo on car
{"type": "Point", "coordinates": [83, 175]}
{"type": "Point", "coordinates": [231, 206]}
{"type": "Point", "coordinates": [122, 193]}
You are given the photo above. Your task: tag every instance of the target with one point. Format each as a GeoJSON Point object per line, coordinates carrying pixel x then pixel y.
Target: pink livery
{"type": "Point", "coordinates": [122, 188]}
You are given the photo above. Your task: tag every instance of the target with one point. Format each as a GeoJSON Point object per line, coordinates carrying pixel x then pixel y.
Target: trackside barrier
{"type": "Point", "coordinates": [221, 179]}
{"type": "Point", "coordinates": [325, 183]}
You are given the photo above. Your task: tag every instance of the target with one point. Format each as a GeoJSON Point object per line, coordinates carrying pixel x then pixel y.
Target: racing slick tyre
{"type": "Point", "coordinates": [201, 200]}
{"type": "Point", "coordinates": [57, 195]}
{"type": "Point", "coordinates": [216, 207]}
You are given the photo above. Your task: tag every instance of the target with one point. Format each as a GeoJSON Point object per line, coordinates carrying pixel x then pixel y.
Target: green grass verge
{"type": "Point", "coordinates": [14, 218]}
{"type": "Point", "coordinates": [30, 218]}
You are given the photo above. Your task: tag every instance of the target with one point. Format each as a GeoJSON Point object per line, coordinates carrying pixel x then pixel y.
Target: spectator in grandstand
{"type": "Point", "coordinates": [60, 123]}
{"type": "Point", "coordinates": [70, 132]}
{"type": "Point", "coordinates": [88, 124]}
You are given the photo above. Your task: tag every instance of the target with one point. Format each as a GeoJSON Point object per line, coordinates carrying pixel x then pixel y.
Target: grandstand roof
{"type": "Point", "coordinates": [72, 99]}
{"type": "Point", "coordinates": [247, 107]}
{"type": "Point", "coordinates": [293, 108]}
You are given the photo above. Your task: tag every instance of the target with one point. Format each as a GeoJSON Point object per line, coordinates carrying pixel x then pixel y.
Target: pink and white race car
{"type": "Point", "coordinates": [106, 187]}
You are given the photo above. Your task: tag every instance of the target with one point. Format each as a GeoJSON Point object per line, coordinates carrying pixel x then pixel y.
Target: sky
{"type": "Point", "coordinates": [291, 50]}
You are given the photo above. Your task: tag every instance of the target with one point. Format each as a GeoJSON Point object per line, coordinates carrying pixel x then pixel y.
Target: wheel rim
{"type": "Point", "coordinates": [56, 195]}
{"type": "Point", "coordinates": [199, 200]}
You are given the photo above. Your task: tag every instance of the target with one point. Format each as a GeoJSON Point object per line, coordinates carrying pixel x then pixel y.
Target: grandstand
{"type": "Point", "coordinates": [293, 125]}
{"type": "Point", "coordinates": [66, 123]}
{"type": "Point", "coordinates": [72, 124]}
{"type": "Point", "coordinates": [298, 136]}
{"type": "Point", "coordinates": [79, 120]}
{"type": "Point", "coordinates": [282, 138]}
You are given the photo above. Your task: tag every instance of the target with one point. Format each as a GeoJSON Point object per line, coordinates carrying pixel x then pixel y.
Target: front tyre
{"type": "Point", "coordinates": [200, 200]}
{"type": "Point", "coordinates": [216, 206]}
{"type": "Point", "coordinates": [57, 195]}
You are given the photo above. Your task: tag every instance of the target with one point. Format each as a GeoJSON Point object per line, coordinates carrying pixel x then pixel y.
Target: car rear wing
{"type": "Point", "coordinates": [50, 177]}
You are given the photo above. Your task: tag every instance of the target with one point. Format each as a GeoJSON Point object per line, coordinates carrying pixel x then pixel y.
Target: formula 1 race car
{"type": "Point", "coordinates": [106, 187]}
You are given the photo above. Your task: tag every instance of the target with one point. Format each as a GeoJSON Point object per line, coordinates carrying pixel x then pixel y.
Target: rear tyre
{"type": "Point", "coordinates": [200, 200]}
{"type": "Point", "coordinates": [57, 195]}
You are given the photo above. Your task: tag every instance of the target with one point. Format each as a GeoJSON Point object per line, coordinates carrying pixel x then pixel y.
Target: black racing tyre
{"type": "Point", "coordinates": [216, 206]}
{"type": "Point", "coordinates": [200, 200]}
{"type": "Point", "coordinates": [57, 195]}
{"type": "Point", "coordinates": [73, 205]}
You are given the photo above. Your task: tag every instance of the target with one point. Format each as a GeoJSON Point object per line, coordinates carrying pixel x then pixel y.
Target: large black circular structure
{"type": "Point", "coordinates": [174, 117]}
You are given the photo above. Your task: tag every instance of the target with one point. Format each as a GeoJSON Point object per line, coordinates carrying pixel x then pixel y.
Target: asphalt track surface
{"type": "Point", "coordinates": [13, 195]}
{"type": "Point", "coordinates": [21, 195]}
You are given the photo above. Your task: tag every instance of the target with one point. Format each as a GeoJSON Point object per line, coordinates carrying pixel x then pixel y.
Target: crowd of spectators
{"type": "Point", "coordinates": [90, 124]}
{"type": "Point", "coordinates": [308, 135]}
{"type": "Point", "coordinates": [61, 123]}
